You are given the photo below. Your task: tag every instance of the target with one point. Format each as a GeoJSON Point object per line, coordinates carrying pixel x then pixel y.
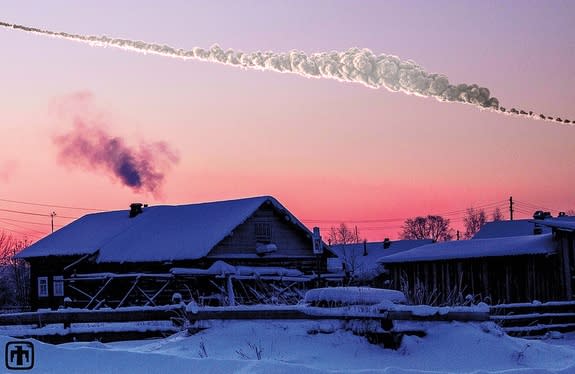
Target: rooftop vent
{"type": "Point", "coordinates": [136, 208]}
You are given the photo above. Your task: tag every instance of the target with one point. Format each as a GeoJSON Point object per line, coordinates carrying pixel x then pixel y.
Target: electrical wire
{"type": "Point", "coordinates": [51, 205]}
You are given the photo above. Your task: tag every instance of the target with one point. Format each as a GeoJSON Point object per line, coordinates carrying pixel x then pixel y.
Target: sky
{"type": "Point", "coordinates": [331, 152]}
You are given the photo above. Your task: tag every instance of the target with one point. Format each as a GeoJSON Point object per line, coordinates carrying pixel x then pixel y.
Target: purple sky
{"type": "Point", "coordinates": [329, 151]}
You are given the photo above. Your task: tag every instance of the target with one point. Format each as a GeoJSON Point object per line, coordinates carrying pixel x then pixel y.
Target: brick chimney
{"type": "Point", "coordinates": [135, 209]}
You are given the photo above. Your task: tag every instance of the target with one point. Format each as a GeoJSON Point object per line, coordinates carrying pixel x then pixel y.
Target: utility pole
{"type": "Point", "coordinates": [52, 215]}
{"type": "Point", "coordinates": [511, 208]}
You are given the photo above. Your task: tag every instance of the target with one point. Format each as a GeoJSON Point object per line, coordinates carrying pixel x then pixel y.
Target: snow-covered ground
{"type": "Point", "coordinates": [312, 347]}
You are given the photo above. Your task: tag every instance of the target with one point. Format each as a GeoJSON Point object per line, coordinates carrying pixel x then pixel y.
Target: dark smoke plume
{"type": "Point", "coordinates": [140, 168]}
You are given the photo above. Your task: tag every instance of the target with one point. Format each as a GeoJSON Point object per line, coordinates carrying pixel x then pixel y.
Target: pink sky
{"type": "Point", "coordinates": [329, 151]}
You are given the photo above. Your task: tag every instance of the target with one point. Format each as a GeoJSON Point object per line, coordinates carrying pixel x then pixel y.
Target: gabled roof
{"type": "Point", "coordinates": [366, 266]}
{"type": "Point", "coordinates": [159, 233]}
{"type": "Point", "coordinates": [476, 248]}
{"type": "Point", "coordinates": [504, 229]}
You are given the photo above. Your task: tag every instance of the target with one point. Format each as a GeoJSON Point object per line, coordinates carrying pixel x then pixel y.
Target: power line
{"type": "Point", "coordinates": [52, 205]}
{"type": "Point", "coordinates": [28, 222]}
{"type": "Point", "coordinates": [22, 233]}
{"type": "Point", "coordinates": [24, 228]}
{"type": "Point", "coordinates": [33, 214]}
{"type": "Point", "coordinates": [495, 204]}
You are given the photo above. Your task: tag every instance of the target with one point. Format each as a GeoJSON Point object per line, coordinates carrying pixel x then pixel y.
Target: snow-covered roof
{"type": "Point", "coordinates": [476, 248]}
{"type": "Point", "coordinates": [159, 233]}
{"type": "Point", "coordinates": [504, 229]}
{"type": "Point", "coordinates": [366, 266]}
{"type": "Point", "coordinates": [562, 223]}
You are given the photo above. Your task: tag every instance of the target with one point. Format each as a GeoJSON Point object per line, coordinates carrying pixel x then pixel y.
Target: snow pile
{"type": "Point", "coordinates": [352, 296]}
{"type": "Point", "coordinates": [311, 347]}
{"type": "Point", "coordinates": [221, 268]}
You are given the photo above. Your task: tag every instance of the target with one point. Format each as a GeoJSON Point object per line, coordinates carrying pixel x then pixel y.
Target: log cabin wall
{"type": "Point", "coordinates": [491, 279]}
{"type": "Point", "coordinates": [294, 246]}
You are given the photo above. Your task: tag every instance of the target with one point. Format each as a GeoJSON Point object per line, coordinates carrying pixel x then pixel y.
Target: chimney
{"type": "Point", "coordinates": [365, 247]}
{"type": "Point", "coordinates": [317, 243]}
{"type": "Point", "coordinates": [135, 209]}
{"type": "Point", "coordinates": [386, 243]}
{"type": "Point", "coordinates": [541, 215]}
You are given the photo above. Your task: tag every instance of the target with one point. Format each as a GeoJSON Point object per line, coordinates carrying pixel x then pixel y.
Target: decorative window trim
{"type": "Point", "coordinates": [58, 285]}
{"type": "Point", "coordinates": [42, 286]}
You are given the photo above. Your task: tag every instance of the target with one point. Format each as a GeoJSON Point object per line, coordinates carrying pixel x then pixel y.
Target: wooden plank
{"type": "Point", "coordinates": [551, 307]}
{"type": "Point", "coordinates": [534, 319]}
{"type": "Point", "coordinates": [99, 292]}
{"type": "Point", "coordinates": [159, 291]}
{"type": "Point", "coordinates": [129, 292]}
{"type": "Point", "coordinates": [101, 336]}
{"type": "Point", "coordinates": [88, 316]}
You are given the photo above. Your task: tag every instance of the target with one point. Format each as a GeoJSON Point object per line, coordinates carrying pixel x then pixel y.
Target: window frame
{"type": "Point", "coordinates": [42, 283]}
{"type": "Point", "coordinates": [58, 280]}
{"type": "Point", "coordinates": [263, 232]}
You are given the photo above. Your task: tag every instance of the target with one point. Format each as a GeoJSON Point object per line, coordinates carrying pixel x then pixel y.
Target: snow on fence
{"type": "Point", "coordinates": [535, 319]}
{"type": "Point", "coordinates": [528, 319]}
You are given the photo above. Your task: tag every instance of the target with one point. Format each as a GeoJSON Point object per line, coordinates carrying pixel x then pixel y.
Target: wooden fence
{"type": "Point", "coordinates": [141, 323]}
{"type": "Point", "coordinates": [535, 319]}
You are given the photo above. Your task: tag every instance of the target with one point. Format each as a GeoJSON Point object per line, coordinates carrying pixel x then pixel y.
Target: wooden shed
{"type": "Point", "coordinates": [496, 270]}
{"type": "Point", "coordinates": [563, 229]}
{"type": "Point", "coordinates": [147, 255]}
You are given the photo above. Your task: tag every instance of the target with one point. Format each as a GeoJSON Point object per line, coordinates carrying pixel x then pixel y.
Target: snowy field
{"type": "Point", "coordinates": [312, 347]}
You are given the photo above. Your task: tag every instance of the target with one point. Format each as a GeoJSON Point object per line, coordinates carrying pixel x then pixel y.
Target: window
{"type": "Point", "coordinates": [58, 285]}
{"type": "Point", "coordinates": [263, 232]}
{"type": "Point", "coordinates": [42, 286]}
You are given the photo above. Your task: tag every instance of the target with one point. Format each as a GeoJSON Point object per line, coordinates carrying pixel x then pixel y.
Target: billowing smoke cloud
{"type": "Point", "coordinates": [354, 65]}
{"type": "Point", "coordinates": [140, 168]}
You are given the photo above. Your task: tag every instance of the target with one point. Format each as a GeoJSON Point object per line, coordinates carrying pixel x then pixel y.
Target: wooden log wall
{"type": "Point", "coordinates": [492, 279]}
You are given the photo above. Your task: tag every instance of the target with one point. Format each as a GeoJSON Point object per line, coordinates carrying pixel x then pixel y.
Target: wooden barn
{"type": "Point", "coordinates": [226, 252]}
{"type": "Point", "coordinates": [563, 229]}
{"type": "Point", "coordinates": [496, 270]}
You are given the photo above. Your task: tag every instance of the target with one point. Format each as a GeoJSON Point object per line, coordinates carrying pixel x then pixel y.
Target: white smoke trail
{"type": "Point", "coordinates": [354, 65]}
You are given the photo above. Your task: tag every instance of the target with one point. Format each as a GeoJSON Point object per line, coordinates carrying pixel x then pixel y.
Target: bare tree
{"type": "Point", "coordinates": [474, 219]}
{"type": "Point", "coordinates": [497, 215]}
{"type": "Point", "coordinates": [343, 235]}
{"type": "Point", "coordinates": [430, 227]}
{"type": "Point", "coordinates": [570, 212]}
{"type": "Point", "coordinates": [14, 272]}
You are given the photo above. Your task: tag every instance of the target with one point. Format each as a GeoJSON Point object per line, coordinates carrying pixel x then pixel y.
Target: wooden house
{"type": "Point", "coordinates": [497, 270]}
{"type": "Point", "coordinates": [504, 229]}
{"type": "Point", "coordinates": [358, 262]}
{"type": "Point", "coordinates": [149, 255]}
{"type": "Point", "coordinates": [563, 229]}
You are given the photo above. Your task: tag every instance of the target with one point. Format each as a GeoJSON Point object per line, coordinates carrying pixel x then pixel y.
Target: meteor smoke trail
{"type": "Point", "coordinates": [354, 65]}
